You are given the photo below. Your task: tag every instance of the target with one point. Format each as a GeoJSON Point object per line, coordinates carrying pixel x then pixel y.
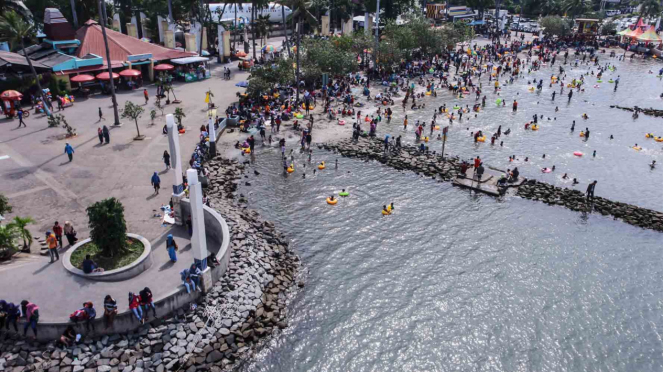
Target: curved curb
{"type": "Point", "coordinates": [143, 263]}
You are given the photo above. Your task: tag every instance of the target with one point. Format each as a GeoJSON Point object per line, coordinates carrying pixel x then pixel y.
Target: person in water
{"type": "Point", "coordinates": [653, 164]}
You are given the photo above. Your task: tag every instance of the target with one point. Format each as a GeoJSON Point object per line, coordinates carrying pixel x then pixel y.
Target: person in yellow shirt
{"type": "Point", "coordinates": [52, 243]}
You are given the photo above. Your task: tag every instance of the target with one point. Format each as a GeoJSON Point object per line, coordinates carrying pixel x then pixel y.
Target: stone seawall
{"type": "Point", "coordinates": [432, 165]}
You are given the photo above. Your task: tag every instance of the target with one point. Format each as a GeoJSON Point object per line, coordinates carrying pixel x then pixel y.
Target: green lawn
{"type": "Point", "coordinates": [134, 249]}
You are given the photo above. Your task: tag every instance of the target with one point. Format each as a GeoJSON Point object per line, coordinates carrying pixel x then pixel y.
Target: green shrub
{"type": "Point", "coordinates": [108, 229]}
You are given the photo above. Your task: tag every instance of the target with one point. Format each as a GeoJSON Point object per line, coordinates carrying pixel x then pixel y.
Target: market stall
{"type": "Point", "coordinates": [192, 68]}
{"type": "Point", "coordinates": [132, 78]}
{"type": "Point", "coordinates": [104, 78]}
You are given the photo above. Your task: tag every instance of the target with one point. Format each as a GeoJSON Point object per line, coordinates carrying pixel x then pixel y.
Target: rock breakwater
{"type": "Point", "coordinates": [431, 165]}
{"type": "Point", "coordinates": [647, 111]}
{"type": "Point", "coordinates": [222, 331]}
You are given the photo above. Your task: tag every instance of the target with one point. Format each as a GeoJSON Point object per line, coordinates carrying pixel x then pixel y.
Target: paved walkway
{"type": "Point", "coordinates": [41, 183]}
{"type": "Point", "coordinates": [58, 293]}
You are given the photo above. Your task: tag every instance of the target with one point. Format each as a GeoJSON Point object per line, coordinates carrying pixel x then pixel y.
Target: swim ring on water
{"type": "Point", "coordinates": [388, 211]}
{"type": "Point", "coordinates": [428, 93]}
{"type": "Point", "coordinates": [341, 122]}
{"type": "Point", "coordinates": [649, 135]}
{"type": "Point", "coordinates": [577, 153]}
{"type": "Point", "coordinates": [290, 169]}
{"type": "Point", "coordinates": [246, 150]}
{"type": "Point", "coordinates": [546, 170]}
{"type": "Point", "coordinates": [367, 119]}
{"type": "Point", "coordinates": [482, 139]}
{"type": "Point", "coordinates": [637, 148]}
{"type": "Point", "coordinates": [425, 139]}
{"type": "Point", "coordinates": [359, 104]}
{"type": "Point", "coordinates": [456, 107]}
{"type": "Point", "coordinates": [535, 127]}
{"type": "Point", "coordinates": [658, 139]}
{"type": "Point", "coordinates": [611, 81]}
{"type": "Point", "coordinates": [299, 116]}
{"type": "Point", "coordinates": [582, 134]}
{"type": "Point", "coordinates": [321, 166]}
{"type": "Point", "coordinates": [531, 89]}
{"type": "Point", "coordinates": [498, 101]}
{"type": "Point", "coordinates": [332, 202]}
{"type": "Point", "coordinates": [343, 193]}
{"type": "Point", "coordinates": [599, 81]}
{"type": "Point", "coordinates": [437, 127]}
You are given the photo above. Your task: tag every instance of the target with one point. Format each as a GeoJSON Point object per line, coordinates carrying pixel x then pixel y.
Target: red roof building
{"type": "Point", "coordinates": [123, 48]}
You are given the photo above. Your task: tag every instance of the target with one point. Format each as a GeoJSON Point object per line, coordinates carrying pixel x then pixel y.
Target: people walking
{"type": "Point", "coordinates": [20, 118]}
{"type": "Point", "coordinates": [70, 233]}
{"type": "Point", "coordinates": [57, 230]}
{"type": "Point", "coordinates": [106, 134]}
{"type": "Point", "coordinates": [69, 151]}
{"type": "Point", "coordinates": [171, 246]}
{"type": "Point", "coordinates": [52, 244]}
{"type": "Point", "coordinates": [147, 97]}
{"type": "Point", "coordinates": [101, 115]}
{"type": "Point", "coordinates": [166, 159]}
{"type": "Point", "coordinates": [156, 182]}
{"type": "Point", "coordinates": [100, 134]}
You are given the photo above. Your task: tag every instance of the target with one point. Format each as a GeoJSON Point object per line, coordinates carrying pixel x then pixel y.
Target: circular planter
{"type": "Point", "coordinates": [143, 263]}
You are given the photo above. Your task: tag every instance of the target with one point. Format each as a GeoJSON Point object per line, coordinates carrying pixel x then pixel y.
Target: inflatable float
{"type": "Point", "coordinates": [577, 153]}
{"type": "Point", "coordinates": [332, 202]}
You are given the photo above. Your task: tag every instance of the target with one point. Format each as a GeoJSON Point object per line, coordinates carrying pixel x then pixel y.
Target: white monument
{"type": "Point", "coordinates": [176, 165]}
{"type": "Point", "coordinates": [198, 242]}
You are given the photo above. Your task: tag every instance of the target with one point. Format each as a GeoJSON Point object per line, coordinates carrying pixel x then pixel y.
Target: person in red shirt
{"type": "Point", "coordinates": [147, 97]}
{"type": "Point", "coordinates": [477, 162]}
{"type": "Point", "coordinates": [57, 230]}
{"type": "Point", "coordinates": [146, 302]}
{"type": "Point", "coordinates": [134, 305]}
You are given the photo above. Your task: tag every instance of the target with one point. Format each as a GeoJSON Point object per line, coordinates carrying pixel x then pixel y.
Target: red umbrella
{"type": "Point", "coordinates": [163, 67]}
{"type": "Point", "coordinates": [104, 76]}
{"type": "Point", "coordinates": [83, 78]}
{"type": "Point", "coordinates": [11, 95]}
{"type": "Point", "coordinates": [130, 73]}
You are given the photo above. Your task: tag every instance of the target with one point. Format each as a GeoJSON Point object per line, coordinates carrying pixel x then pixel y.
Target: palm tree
{"type": "Point", "coordinates": [549, 6]}
{"type": "Point", "coordinates": [576, 7]}
{"type": "Point", "coordinates": [15, 29]}
{"type": "Point", "coordinates": [103, 18]}
{"type": "Point", "coordinates": [301, 13]}
{"type": "Point", "coordinates": [648, 9]}
{"type": "Point", "coordinates": [19, 223]}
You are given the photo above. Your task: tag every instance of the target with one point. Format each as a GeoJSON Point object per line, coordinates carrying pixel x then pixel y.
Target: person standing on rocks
{"type": "Point", "coordinates": [590, 190]}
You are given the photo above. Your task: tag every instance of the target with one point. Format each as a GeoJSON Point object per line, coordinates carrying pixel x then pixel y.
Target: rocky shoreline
{"type": "Point", "coordinates": [650, 111]}
{"type": "Point", "coordinates": [225, 328]}
{"type": "Point", "coordinates": [432, 165]}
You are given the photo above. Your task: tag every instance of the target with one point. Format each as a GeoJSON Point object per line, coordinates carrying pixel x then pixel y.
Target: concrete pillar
{"type": "Point", "coordinates": [212, 138]}
{"type": "Point", "coordinates": [347, 27]}
{"type": "Point", "coordinates": [226, 44]}
{"type": "Point", "coordinates": [198, 242]}
{"type": "Point", "coordinates": [368, 23]}
{"type": "Point", "coordinates": [150, 70]}
{"type": "Point", "coordinates": [163, 26]}
{"type": "Point", "coordinates": [190, 42]}
{"type": "Point", "coordinates": [169, 39]}
{"type": "Point", "coordinates": [176, 164]}
{"type": "Point", "coordinates": [116, 22]}
{"type": "Point", "coordinates": [325, 25]}
{"type": "Point", "coordinates": [204, 38]}
{"type": "Point", "coordinates": [131, 30]}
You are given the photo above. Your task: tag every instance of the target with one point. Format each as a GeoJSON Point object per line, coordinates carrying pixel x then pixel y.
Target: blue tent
{"type": "Point", "coordinates": [242, 84]}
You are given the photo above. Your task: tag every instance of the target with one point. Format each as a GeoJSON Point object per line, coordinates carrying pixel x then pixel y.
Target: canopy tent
{"type": "Point", "coordinates": [623, 32]}
{"type": "Point", "coordinates": [649, 36]}
{"type": "Point", "coordinates": [634, 33]}
{"type": "Point", "coordinates": [130, 73]}
{"type": "Point", "coordinates": [163, 67]}
{"type": "Point", "coordinates": [104, 76]}
{"type": "Point", "coordinates": [82, 78]}
{"type": "Point", "coordinates": [11, 95]}
{"type": "Point", "coordinates": [187, 60]}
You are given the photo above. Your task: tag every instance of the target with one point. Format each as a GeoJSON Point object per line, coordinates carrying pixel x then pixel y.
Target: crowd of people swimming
{"type": "Point", "coordinates": [367, 98]}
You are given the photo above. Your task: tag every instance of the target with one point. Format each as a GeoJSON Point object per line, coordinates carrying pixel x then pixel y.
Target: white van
{"type": "Point", "coordinates": [534, 27]}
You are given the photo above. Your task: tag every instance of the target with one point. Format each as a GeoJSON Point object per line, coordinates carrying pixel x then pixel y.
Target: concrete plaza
{"type": "Point", "coordinates": [41, 183]}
